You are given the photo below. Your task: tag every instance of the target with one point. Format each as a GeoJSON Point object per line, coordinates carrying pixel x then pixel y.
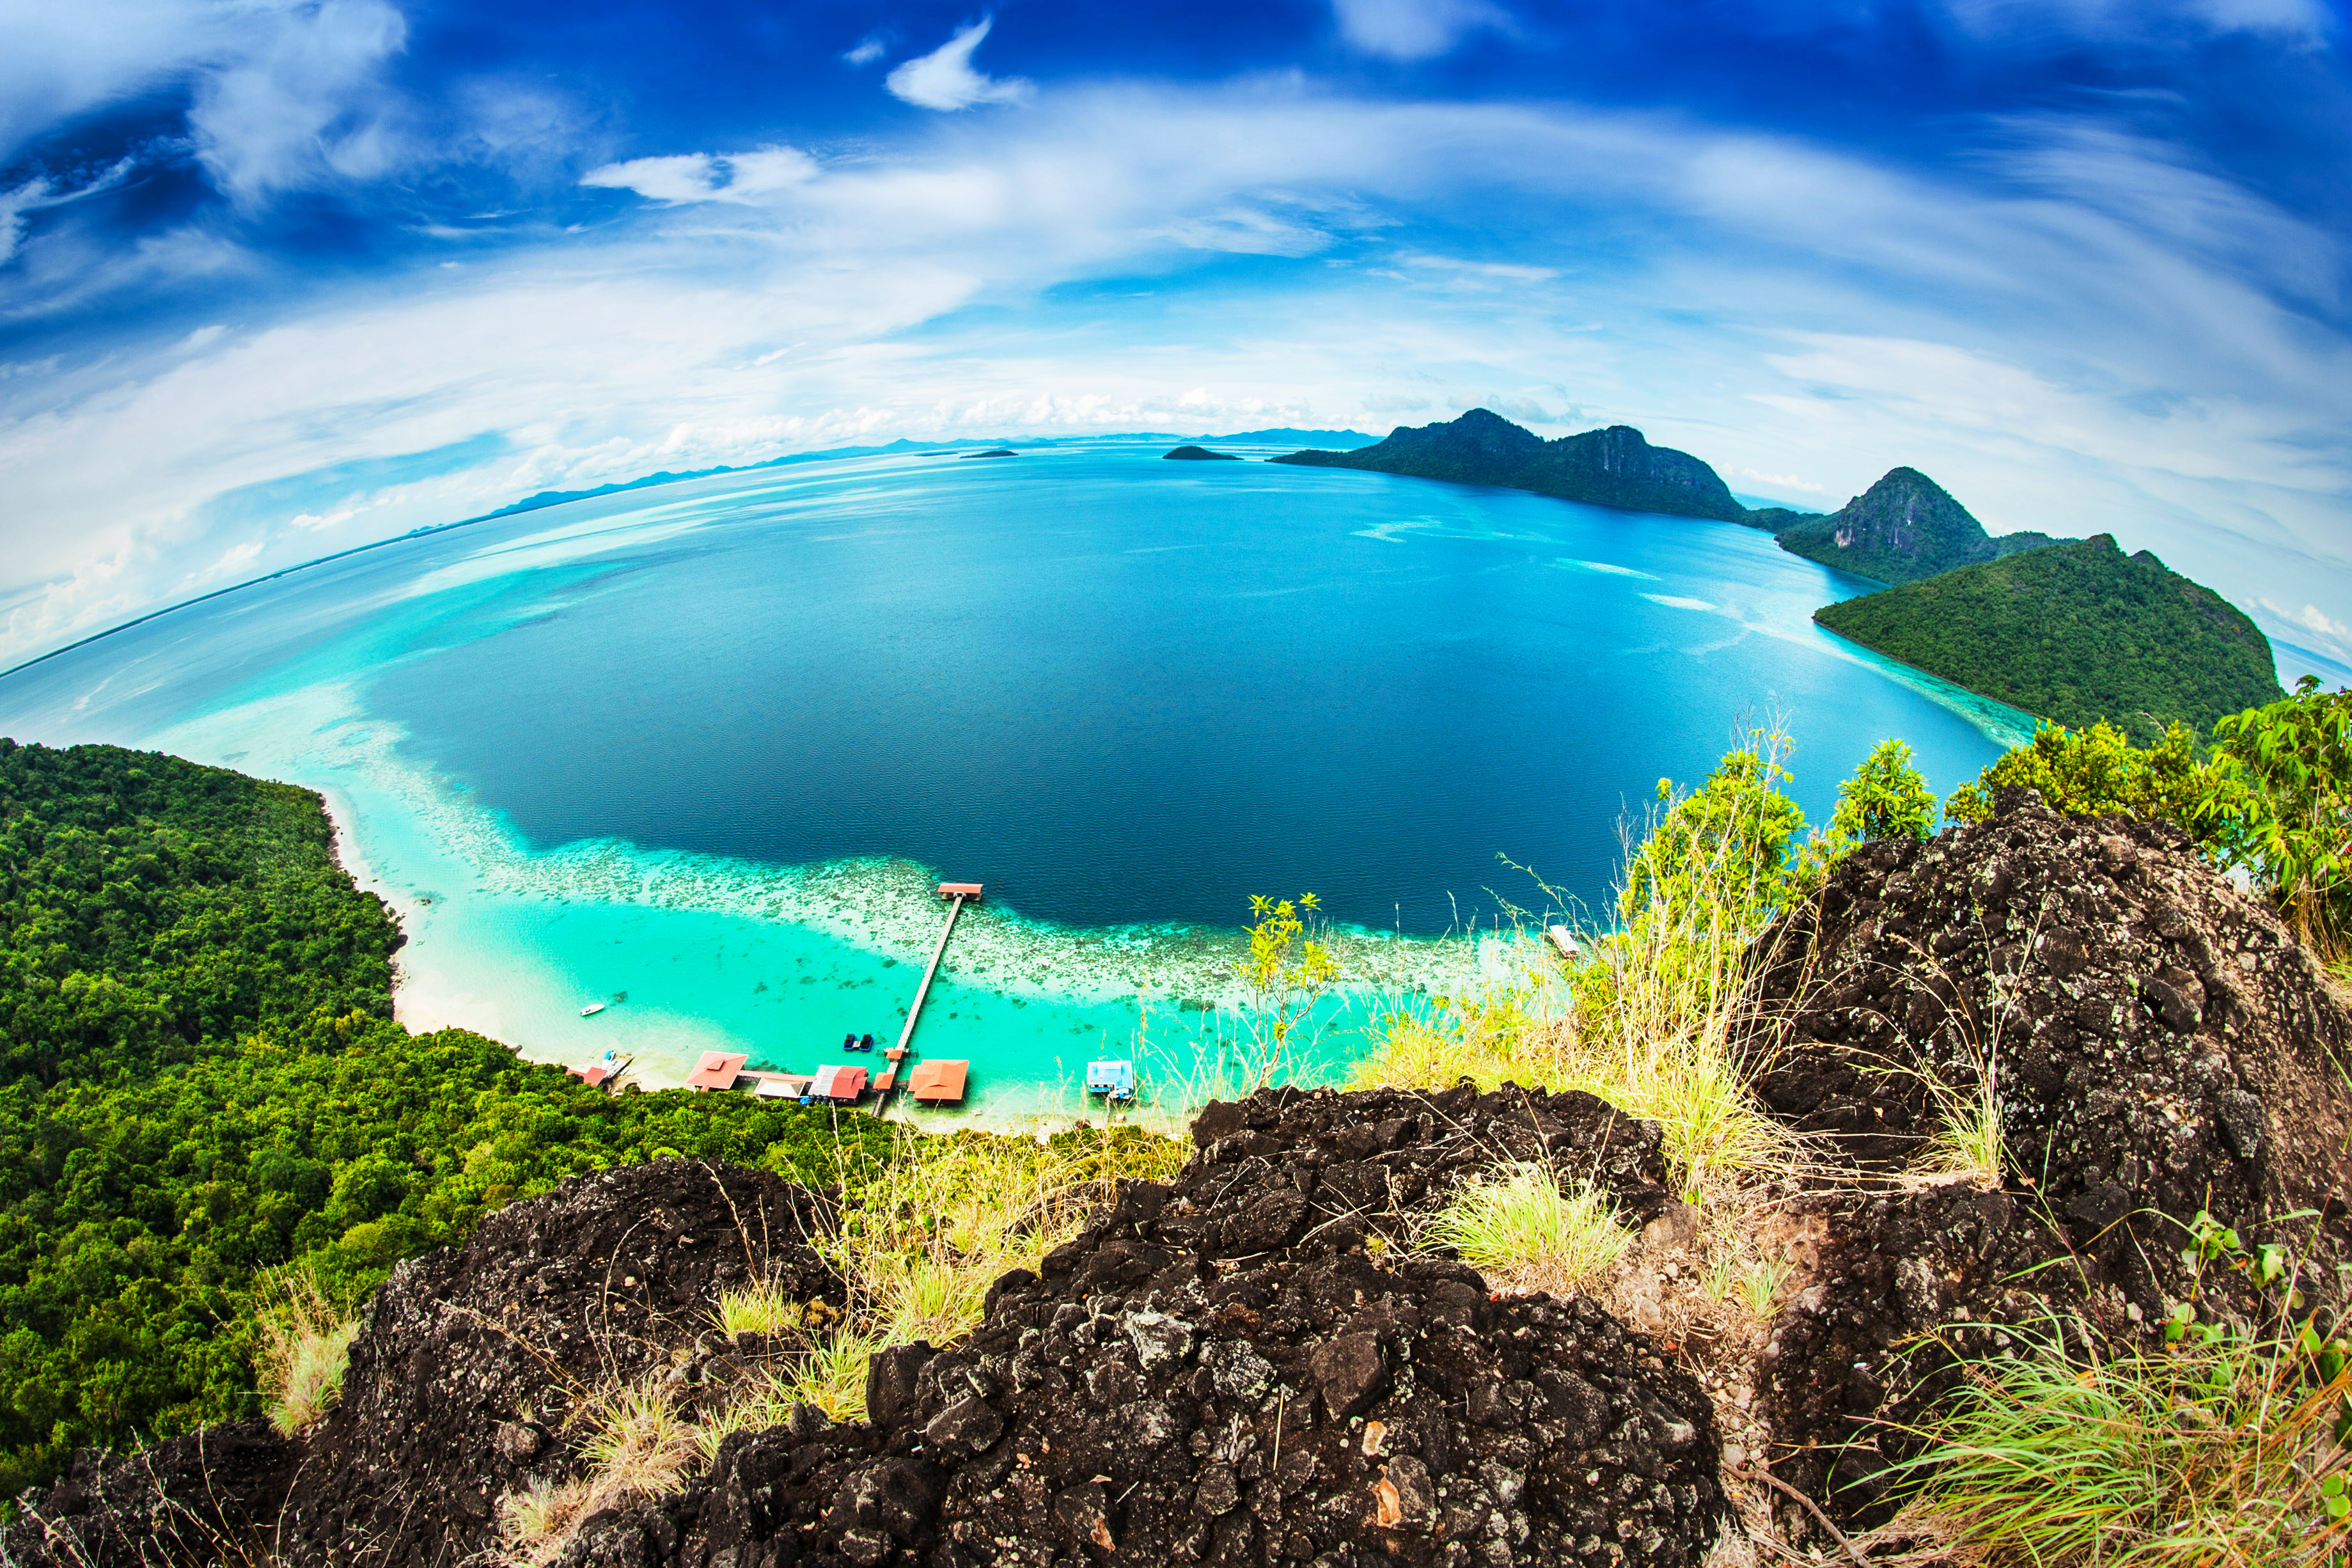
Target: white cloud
{"type": "Point", "coordinates": [701, 178]}
{"type": "Point", "coordinates": [304, 101]}
{"type": "Point", "coordinates": [13, 205]}
{"type": "Point", "coordinates": [1784, 481]}
{"type": "Point", "coordinates": [2058, 364]}
{"type": "Point", "coordinates": [866, 50]}
{"type": "Point", "coordinates": [2310, 618]}
{"type": "Point", "coordinates": [64, 60]}
{"type": "Point", "coordinates": [1415, 29]}
{"type": "Point", "coordinates": [944, 78]}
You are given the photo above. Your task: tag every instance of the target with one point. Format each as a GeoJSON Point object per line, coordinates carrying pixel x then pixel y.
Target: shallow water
{"type": "Point", "coordinates": [709, 745]}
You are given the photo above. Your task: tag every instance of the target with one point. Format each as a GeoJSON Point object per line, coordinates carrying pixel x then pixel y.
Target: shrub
{"type": "Point", "coordinates": [2088, 772]}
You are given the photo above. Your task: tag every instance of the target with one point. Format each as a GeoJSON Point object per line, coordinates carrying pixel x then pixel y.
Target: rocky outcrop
{"type": "Point", "coordinates": [1217, 1371]}
{"type": "Point", "coordinates": [1199, 455]}
{"type": "Point", "coordinates": [2158, 1047]}
{"type": "Point", "coordinates": [1616, 466]}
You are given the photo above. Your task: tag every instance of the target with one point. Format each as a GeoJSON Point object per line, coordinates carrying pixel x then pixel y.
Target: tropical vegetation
{"type": "Point", "coordinates": [2077, 634]}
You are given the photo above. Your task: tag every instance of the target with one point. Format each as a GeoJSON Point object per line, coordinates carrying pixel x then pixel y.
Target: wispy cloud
{"type": "Point", "coordinates": [701, 178]}
{"type": "Point", "coordinates": [945, 78]}
{"type": "Point", "coordinates": [304, 100]}
{"type": "Point", "coordinates": [2064, 332]}
{"type": "Point", "coordinates": [867, 49]}
{"type": "Point", "coordinates": [1415, 29]}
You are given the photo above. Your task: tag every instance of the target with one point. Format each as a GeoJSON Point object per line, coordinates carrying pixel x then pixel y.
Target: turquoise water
{"type": "Point", "coordinates": [707, 748]}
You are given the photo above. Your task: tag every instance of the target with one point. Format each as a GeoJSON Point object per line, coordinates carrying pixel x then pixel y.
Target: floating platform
{"type": "Point", "coordinates": [1114, 1079]}
{"type": "Point", "coordinates": [1564, 940]}
{"type": "Point", "coordinates": [937, 1083]}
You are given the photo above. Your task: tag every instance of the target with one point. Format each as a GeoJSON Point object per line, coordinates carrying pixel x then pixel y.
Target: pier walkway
{"type": "Point", "coordinates": [956, 893]}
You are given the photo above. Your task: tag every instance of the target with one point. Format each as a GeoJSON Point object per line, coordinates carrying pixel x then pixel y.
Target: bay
{"type": "Point", "coordinates": [707, 746]}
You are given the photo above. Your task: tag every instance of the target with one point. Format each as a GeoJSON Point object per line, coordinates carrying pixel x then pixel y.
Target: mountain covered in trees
{"type": "Point", "coordinates": [1616, 466]}
{"type": "Point", "coordinates": [200, 1082]}
{"type": "Point", "coordinates": [2074, 633]}
{"type": "Point", "coordinates": [1904, 528]}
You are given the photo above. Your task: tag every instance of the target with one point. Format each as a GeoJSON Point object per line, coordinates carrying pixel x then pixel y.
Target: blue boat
{"type": "Point", "coordinates": [1114, 1080]}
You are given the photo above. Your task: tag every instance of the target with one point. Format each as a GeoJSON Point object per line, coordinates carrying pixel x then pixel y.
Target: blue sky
{"type": "Point", "coordinates": [276, 279]}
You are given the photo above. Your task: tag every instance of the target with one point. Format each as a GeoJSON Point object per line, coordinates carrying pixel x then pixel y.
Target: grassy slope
{"type": "Point", "coordinates": [2074, 634]}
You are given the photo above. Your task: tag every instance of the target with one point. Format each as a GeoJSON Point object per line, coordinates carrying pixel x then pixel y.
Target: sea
{"type": "Point", "coordinates": [702, 752]}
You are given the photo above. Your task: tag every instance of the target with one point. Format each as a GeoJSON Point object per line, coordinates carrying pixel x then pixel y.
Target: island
{"type": "Point", "coordinates": [2075, 632]}
{"type": "Point", "coordinates": [1615, 467]}
{"type": "Point", "coordinates": [997, 452]}
{"type": "Point", "coordinates": [1200, 455]}
{"type": "Point", "coordinates": [1904, 528]}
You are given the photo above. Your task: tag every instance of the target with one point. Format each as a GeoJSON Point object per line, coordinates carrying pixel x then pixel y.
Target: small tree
{"type": "Point", "coordinates": [1886, 798]}
{"type": "Point", "coordinates": [2086, 772]}
{"type": "Point", "coordinates": [2277, 799]}
{"type": "Point", "coordinates": [1289, 968]}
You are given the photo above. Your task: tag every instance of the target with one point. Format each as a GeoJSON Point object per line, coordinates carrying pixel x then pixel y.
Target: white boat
{"type": "Point", "coordinates": [591, 1010]}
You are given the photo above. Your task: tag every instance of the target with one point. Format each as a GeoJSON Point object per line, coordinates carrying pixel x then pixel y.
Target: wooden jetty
{"type": "Point", "coordinates": [957, 894]}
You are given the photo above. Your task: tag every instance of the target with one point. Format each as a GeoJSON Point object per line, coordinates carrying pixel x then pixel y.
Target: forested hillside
{"type": "Point", "coordinates": [200, 1081]}
{"type": "Point", "coordinates": [2074, 633]}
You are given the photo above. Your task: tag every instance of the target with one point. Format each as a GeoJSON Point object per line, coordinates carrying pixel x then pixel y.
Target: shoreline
{"type": "Point", "coordinates": [1023, 1111]}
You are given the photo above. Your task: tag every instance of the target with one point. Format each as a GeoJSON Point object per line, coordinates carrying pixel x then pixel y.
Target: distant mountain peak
{"type": "Point", "coordinates": [1904, 528]}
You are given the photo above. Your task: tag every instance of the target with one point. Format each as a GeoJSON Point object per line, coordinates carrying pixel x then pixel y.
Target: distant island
{"type": "Point", "coordinates": [1904, 528]}
{"type": "Point", "coordinates": [2074, 633]}
{"type": "Point", "coordinates": [1616, 466]}
{"type": "Point", "coordinates": [1200, 455]}
{"type": "Point", "coordinates": [994, 452]}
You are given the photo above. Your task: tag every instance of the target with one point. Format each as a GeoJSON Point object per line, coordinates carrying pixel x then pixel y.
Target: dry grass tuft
{"type": "Point", "coordinates": [946, 1215]}
{"type": "Point", "coordinates": [306, 1344]}
{"type": "Point", "coordinates": [762, 1308]}
{"type": "Point", "coordinates": [1517, 1227]}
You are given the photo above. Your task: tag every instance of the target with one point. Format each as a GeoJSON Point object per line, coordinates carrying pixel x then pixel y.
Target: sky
{"type": "Point", "coordinates": [279, 279]}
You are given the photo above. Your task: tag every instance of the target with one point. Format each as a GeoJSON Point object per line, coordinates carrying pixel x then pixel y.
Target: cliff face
{"type": "Point", "coordinates": [1616, 466]}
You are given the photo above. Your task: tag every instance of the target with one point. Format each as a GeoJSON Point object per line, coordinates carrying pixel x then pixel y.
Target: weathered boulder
{"type": "Point", "coordinates": [2158, 1046]}
{"type": "Point", "coordinates": [1191, 1381]}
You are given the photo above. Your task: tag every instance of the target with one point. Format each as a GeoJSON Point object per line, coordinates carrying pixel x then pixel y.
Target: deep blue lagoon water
{"type": "Point", "coordinates": [708, 744]}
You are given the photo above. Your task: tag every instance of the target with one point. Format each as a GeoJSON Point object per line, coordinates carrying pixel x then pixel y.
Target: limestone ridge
{"type": "Point", "coordinates": [1616, 466]}
{"type": "Point", "coordinates": [1904, 528]}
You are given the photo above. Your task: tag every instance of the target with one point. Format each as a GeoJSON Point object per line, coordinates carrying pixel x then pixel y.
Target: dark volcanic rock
{"type": "Point", "coordinates": [461, 1381]}
{"type": "Point", "coordinates": [1215, 1372]}
{"type": "Point", "coordinates": [2158, 1047]}
{"type": "Point", "coordinates": [210, 1497]}
{"type": "Point", "coordinates": [471, 1361]}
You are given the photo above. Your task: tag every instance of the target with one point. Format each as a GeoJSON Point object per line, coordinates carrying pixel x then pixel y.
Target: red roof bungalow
{"type": "Point", "coordinates": [718, 1069]}
{"type": "Point", "coordinates": [968, 889]}
{"type": "Point", "coordinates": [937, 1083]}
{"type": "Point", "coordinates": [594, 1076]}
{"type": "Point", "coordinates": [842, 1084]}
